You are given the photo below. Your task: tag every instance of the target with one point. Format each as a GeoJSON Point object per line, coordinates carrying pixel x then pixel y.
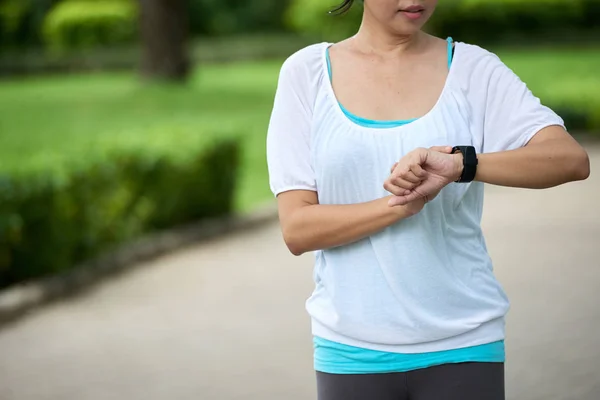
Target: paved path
{"type": "Point", "coordinates": [225, 320]}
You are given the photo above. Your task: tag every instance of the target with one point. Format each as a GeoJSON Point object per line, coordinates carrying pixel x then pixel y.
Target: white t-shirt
{"type": "Point", "coordinates": [426, 283]}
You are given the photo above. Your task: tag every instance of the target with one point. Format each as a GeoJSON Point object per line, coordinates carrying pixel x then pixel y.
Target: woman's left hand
{"type": "Point", "coordinates": [423, 173]}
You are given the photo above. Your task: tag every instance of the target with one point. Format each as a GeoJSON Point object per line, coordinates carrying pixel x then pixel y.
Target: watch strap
{"type": "Point", "coordinates": [470, 162]}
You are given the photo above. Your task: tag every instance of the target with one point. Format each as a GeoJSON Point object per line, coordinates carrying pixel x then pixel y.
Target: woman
{"type": "Point", "coordinates": [406, 305]}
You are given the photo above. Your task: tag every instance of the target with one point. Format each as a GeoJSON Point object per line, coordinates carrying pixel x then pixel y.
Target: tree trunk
{"type": "Point", "coordinates": [164, 39]}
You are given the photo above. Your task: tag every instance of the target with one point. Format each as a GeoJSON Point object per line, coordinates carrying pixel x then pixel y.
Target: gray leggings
{"type": "Point", "coordinates": [465, 381]}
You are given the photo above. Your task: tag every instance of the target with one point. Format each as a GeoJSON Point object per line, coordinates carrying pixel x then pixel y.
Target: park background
{"type": "Point", "coordinates": [121, 118]}
{"type": "Point", "coordinates": [133, 131]}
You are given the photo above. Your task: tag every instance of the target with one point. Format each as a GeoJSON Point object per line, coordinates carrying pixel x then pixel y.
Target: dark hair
{"type": "Point", "coordinates": [342, 8]}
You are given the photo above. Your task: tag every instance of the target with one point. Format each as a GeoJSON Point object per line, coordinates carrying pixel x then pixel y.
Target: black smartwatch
{"type": "Point", "coordinates": [469, 163]}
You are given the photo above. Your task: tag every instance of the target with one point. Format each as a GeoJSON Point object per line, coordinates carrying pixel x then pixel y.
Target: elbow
{"type": "Point", "coordinates": [580, 166]}
{"type": "Point", "coordinates": [296, 251]}
{"type": "Point", "coordinates": [295, 248]}
{"type": "Point", "coordinates": [294, 243]}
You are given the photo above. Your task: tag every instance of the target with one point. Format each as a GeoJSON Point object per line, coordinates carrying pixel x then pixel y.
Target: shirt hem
{"type": "Point", "coordinates": [488, 332]}
{"type": "Point", "coordinates": [290, 188]}
{"type": "Point", "coordinates": [534, 131]}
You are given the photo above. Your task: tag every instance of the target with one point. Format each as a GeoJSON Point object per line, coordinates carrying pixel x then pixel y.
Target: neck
{"type": "Point", "coordinates": [372, 37]}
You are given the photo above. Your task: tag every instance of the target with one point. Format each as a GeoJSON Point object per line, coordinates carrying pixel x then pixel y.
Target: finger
{"type": "Point", "coordinates": [408, 176]}
{"type": "Point", "coordinates": [418, 171]}
{"type": "Point", "coordinates": [404, 184]}
{"type": "Point", "coordinates": [442, 149]}
{"type": "Point", "coordinates": [393, 167]}
{"type": "Point", "coordinates": [403, 200]}
{"type": "Point", "coordinates": [405, 181]}
{"type": "Point", "coordinates": [395, 190]}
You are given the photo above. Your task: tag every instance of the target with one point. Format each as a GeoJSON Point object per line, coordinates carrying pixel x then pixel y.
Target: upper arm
{"type": "Point", "coordinates": [289, 132]}
{"type": "Point", "coordinates": [291, 176]}
{"type": "Point", "coordinates": [552, 133]}
{"type": "Point", "coordinates": [513, 114]}
{"type": "Point", "coordinates": [557, 136]}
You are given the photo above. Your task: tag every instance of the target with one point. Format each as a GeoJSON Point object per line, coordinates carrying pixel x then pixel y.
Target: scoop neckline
{"type": "Point", "coordinates": [338, 106]}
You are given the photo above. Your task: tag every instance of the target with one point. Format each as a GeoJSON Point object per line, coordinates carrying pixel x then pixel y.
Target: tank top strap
{"type": "Point", "coordinates": [328, 63]}
{"type": "Point", "coordinates": [450, 50]}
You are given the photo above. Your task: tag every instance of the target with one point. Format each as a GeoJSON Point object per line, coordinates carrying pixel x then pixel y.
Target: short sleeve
{"type": "Point", "coordinates": [288, 136]}
{"type": "Point", "coordinates": [513, 115]}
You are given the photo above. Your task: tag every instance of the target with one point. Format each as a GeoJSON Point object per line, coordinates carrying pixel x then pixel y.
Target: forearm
{"type": "Point", "coordinates": [536, 166]}
{"type": "Point", "coordinates": [318, 226]}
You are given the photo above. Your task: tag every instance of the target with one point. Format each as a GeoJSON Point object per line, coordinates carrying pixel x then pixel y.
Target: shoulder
{"type": "Point", "coordinates": [300, 78]}
{"type": "Point", "coordinates": [474, 59]}
{"type": "Point", "coordinates": [305, 64]}
{"type": "Point", "coordinates": [478, 66]}
{"type": "Point", "coordinates": [475, 52]}
{"type": "Point", "coordinates": [306, 57]}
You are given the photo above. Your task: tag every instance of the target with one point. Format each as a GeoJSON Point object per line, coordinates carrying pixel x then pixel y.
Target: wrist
{"type": "Point", "coordinates": [412, 208]}
{"type": "Point", "coordinates": [459, 166]}
{"type": "Point", "coordinates": [406, 211]}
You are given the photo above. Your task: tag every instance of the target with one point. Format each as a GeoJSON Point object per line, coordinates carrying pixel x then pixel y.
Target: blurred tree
{"type": "Point", "coordinates": [164, 32]}
{"type": "Point", "coordinates": [232, 17]}
{"type": "Point", "coordinates": [20, 21]}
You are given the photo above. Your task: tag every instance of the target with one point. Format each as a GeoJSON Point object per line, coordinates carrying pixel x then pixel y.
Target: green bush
{"type": "Point", "coordinates": [21, 21]}
{"type": "Point", "coordinates": [493, 21]}
{"type": "Point", "coordinates": [12, 17]}
{"type": "Point", "coordinates": [467, 20]}
{"type": "Point", "coordinates": [231, 17]}
{"type": "Point", "coordinates": [312, 17]}
{"type": "Point", "coordinates": [50, 221]}
{"type": "Point", "coordinates": [76, 24]}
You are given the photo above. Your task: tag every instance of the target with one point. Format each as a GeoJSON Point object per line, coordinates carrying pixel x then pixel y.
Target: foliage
{"type": "Point", "coordinates": [469, 20]}
{"type": "Point", "coordinates": [76, 116]}
{"type": "Point", "coordinates": [312, 17]}
{"type": "Point", "coordinates": [86, 23]}
{"type": "Point", "coordinates": [12, 14]}
{"type": "Point", "coordinates": [50, 221]}
{"type": "Point", "coordinates": [20, 21]}
{"type": "Point", "coordinates": [202, 51]}
{"type": "Point", "coordinates": [229, 17]}
{"type": "Point", "coordinates": [497, 20]}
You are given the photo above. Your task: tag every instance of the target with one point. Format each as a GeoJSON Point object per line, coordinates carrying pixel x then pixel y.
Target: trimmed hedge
{"type": "Point", "coordinates": [235, 17]}
{"type": "Point", "coordinates": [21, 20]}
{"type": "Point", "coordinates": [478, 21]}
{"type": "Point", "coordinates": [206, 50]}
{"type": "Point", "coordinates": [78, 24]}
{"type": "Point", "coordinates": [494, 21]}
{"type": "Point", "coordinates": [49, 222]}
{"type": "Point", "coordinates": [311, 17]}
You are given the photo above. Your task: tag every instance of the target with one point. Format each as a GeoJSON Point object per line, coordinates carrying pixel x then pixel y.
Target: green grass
{"type": "Point", "coordinates": [45, 122]}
